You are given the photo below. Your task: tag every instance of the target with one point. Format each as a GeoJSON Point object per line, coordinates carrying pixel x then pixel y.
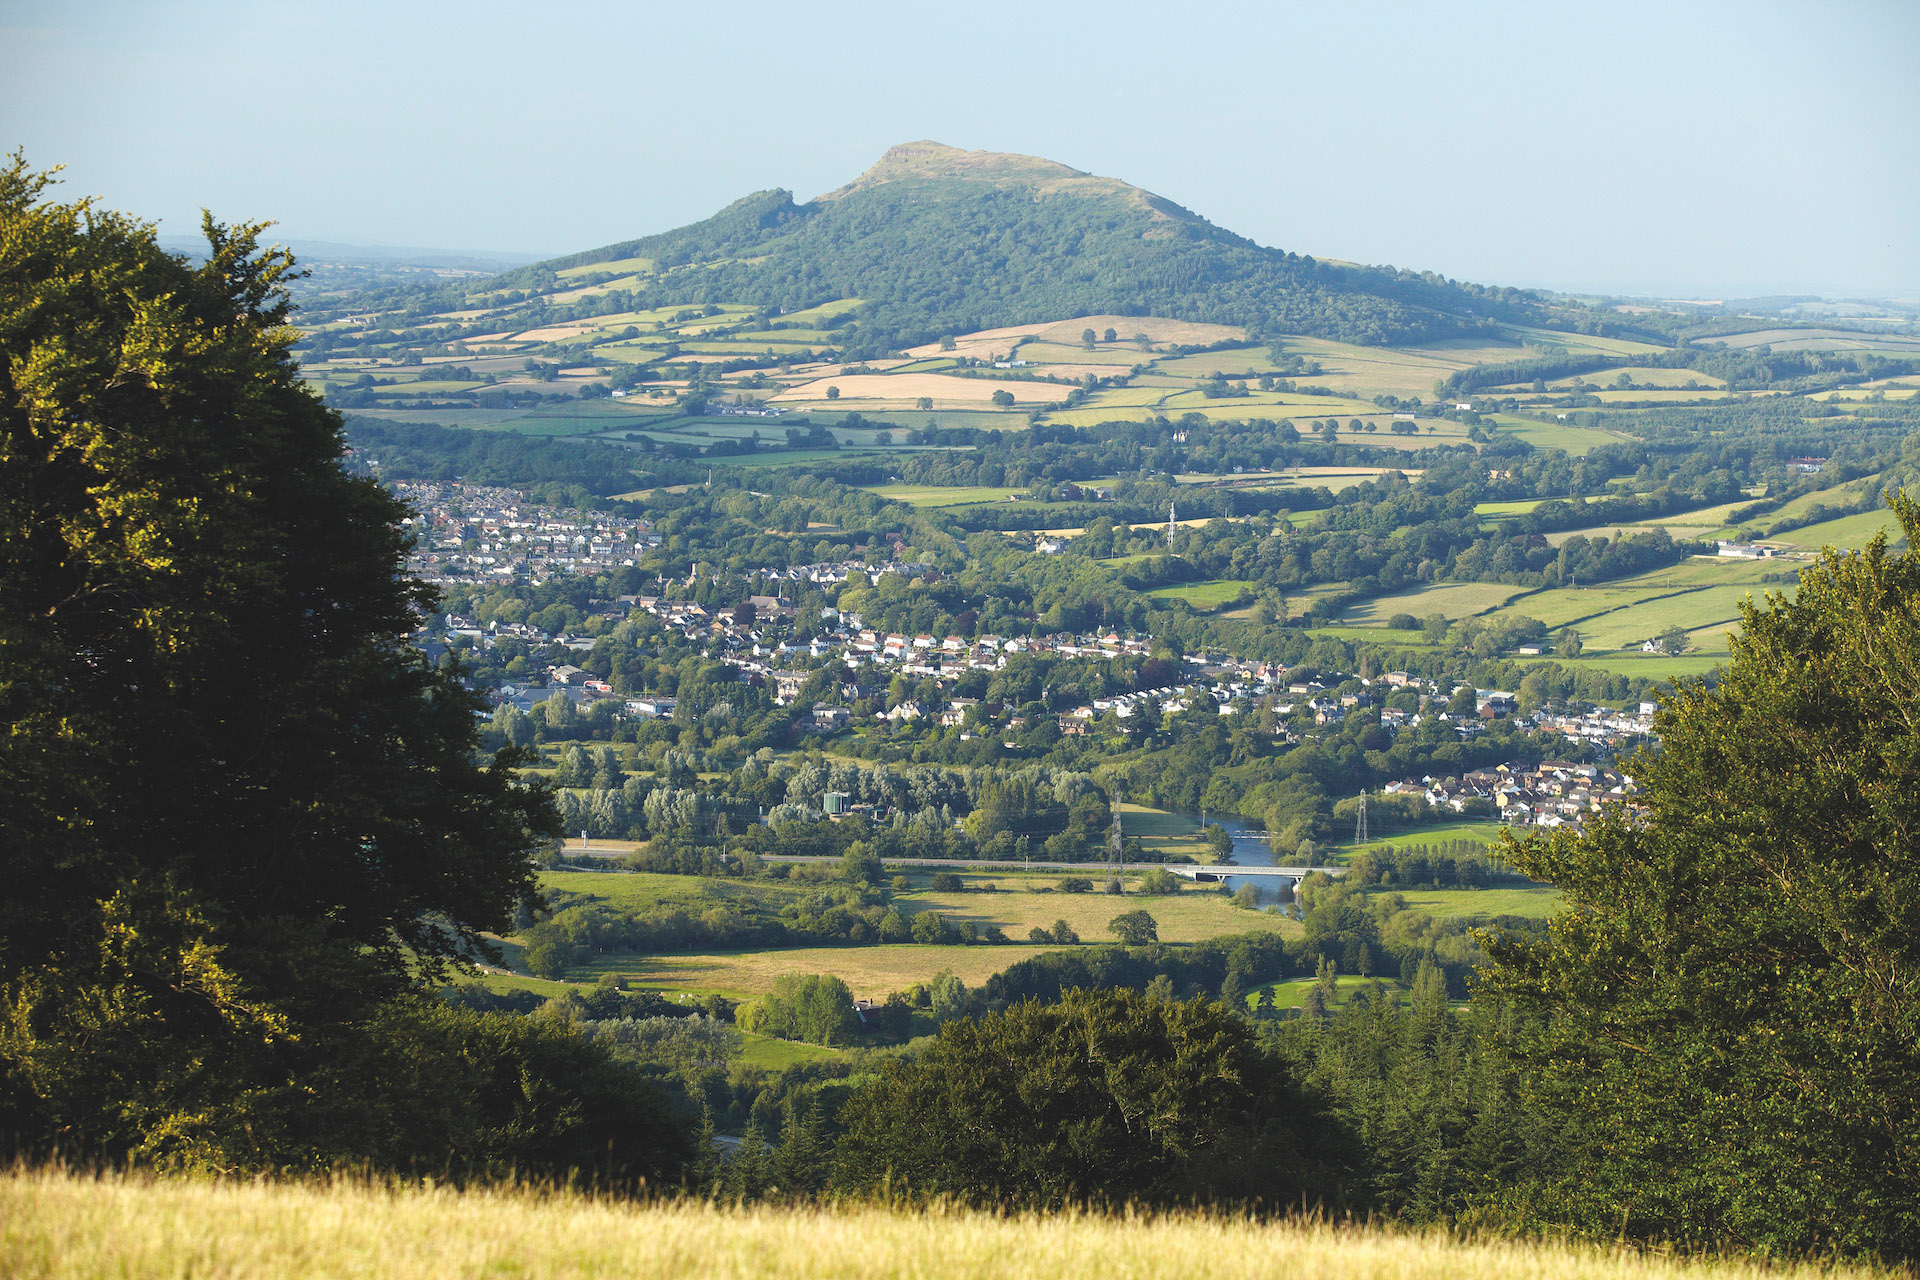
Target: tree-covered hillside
{"type": "Point", "coordinates": [936, 241]}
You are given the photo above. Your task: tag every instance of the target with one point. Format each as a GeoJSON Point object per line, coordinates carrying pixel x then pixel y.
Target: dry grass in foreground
{"type": "Point", "coordinates": [55, 1225]}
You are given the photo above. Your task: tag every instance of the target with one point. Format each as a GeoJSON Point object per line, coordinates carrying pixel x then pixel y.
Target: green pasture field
{"type": "Point", "coordinates": [1205, 595]}
{"type": "Point", "coordinates": [1094, 417]}
{"type": "Point", "coordinates": [1715, 518]}
{"type": "Point", "coordinates": [1840, 493]}
{"type": "Point", "coordinates": [1848, 533]}
{"type": "Point", "coordinates": [1580, 343]}
{"type": "Point", "coordinates": [1454, 599]}
{"type": "Point", "coordinates": [1706, 613]}
{"type": "Point", "coordinates": [1162, 834]}
{"type": "Point", "coordinates": [1574, 606]}
{"type": "Point", "coordinates": [644, 891]}
{"type": "Point", "coordinates": [1298, 600]}
{"type": "Point", "coordinates": [771, 1054]}
{"type": "Point", "coordinates": [1535, 901]}
{"type": "Point", "coordinates": [1506, 508]}
{"type": "Point", "coordinates": [1292, 994]}
{"type": "Point", "coordinates": [921, 495]}
{"type": "Point", "coordinates": [825, 311]}
{"type": "Point", "coordinates": [619, 266]}
{"type": "Point", "coordinates": [1112, 397]}
{"type": "Point", "coordinates": [1587, 608]}
{"type": "Point", "coordinates": [1479, 829]}
{"type": "Point", "coordinates": [1576, 440]}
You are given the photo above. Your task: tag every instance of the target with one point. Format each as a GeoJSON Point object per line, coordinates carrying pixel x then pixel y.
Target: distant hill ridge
{"type": "Point", "coordinates": [937, 240]}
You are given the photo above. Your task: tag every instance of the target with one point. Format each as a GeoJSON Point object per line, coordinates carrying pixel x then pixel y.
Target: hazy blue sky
{"type": "Point", "coordinates": [1707, 149]}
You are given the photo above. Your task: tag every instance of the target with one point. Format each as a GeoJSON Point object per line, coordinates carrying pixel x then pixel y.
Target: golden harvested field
{"type": "Point", "coordinates": [1207, 363]}
{"type": "Point", "coordinates": [58, 1226]}
{"type": "Point", "coordinates": [1370, 371]}
{"type": "Point", "coordinates": [1189, 916]}
{"type": "Point", "coordinates": [911, 386]}
{"type": "Point", "coordinates": [869, 970]}
{"type": "Point", "coordinates": [1104, 360]}
{"type": "Point", "coordinates": [985, 343]}
{"type": "Point", "coordinates": [1157, 328]}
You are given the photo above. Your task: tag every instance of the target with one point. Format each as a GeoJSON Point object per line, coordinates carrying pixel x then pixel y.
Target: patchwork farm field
{"type": "Point", "coordinates": [1632, 662]}
{"type": "Point", "coordinates": [1454, 599]}
{"type": "Point", "coordinates": [1205, 595]}
{"type": "Point", "coordinates": [1191, 915]}
{"type": "Point", "coordinates": [1535, 901]}
{"type": "Point", "coordinates": [935, 496]}
{"type": "Point", "coordinates": [871, 970]}
{"type": "Point", "coordinates": [1478, 831]}
{"type": "Point", "coordinates": [1848, 533]}
{"type": "Point", "coordinates": [1577, 440]}
{"type": "Point", "coordinates": [1701, 595]}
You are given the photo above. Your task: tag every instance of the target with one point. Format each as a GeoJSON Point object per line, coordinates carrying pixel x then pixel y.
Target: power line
{"type": "Point", "coordinates": [1360, 823]}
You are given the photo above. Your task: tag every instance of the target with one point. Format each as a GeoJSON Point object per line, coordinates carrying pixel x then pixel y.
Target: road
{"type": "Point", "coordinates": [1191, 870]}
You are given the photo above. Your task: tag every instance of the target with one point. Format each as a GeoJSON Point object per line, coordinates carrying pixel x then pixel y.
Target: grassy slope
{"type": "Point", "coordinates": [1204, 595]}
{"type": "Point", "coordinates": [57, 1226]}
{"type": "Point", "coordinates": [1538, 901]}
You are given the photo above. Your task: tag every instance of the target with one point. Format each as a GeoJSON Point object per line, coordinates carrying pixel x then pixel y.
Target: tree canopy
{"type": "Point", "coordinates": [242, 816]}
{"type": "Point", "coordinates": [1731, 1004]}
{"type": "Point", "coordinates": [1107, 1096]}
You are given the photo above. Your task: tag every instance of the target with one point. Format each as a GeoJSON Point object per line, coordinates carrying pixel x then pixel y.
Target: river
{"type": "Point", "coordinates": [1250, 849]}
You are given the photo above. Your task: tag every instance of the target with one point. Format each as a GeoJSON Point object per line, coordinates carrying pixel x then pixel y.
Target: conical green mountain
{"type": "Point", "coordinates": [936, 240]}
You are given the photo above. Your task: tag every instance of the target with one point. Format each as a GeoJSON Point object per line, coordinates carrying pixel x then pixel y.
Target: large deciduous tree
{"type": "Point", "coordinates": [1731, 1001]}
{"type": "Point", "coordinates": [242, 817]}
{"type": "Point", "coordinates": [1107, 1097]}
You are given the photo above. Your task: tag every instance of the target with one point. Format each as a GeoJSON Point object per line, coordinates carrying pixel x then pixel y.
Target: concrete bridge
{"type": "Point", "coordinates": [1214, 871]}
